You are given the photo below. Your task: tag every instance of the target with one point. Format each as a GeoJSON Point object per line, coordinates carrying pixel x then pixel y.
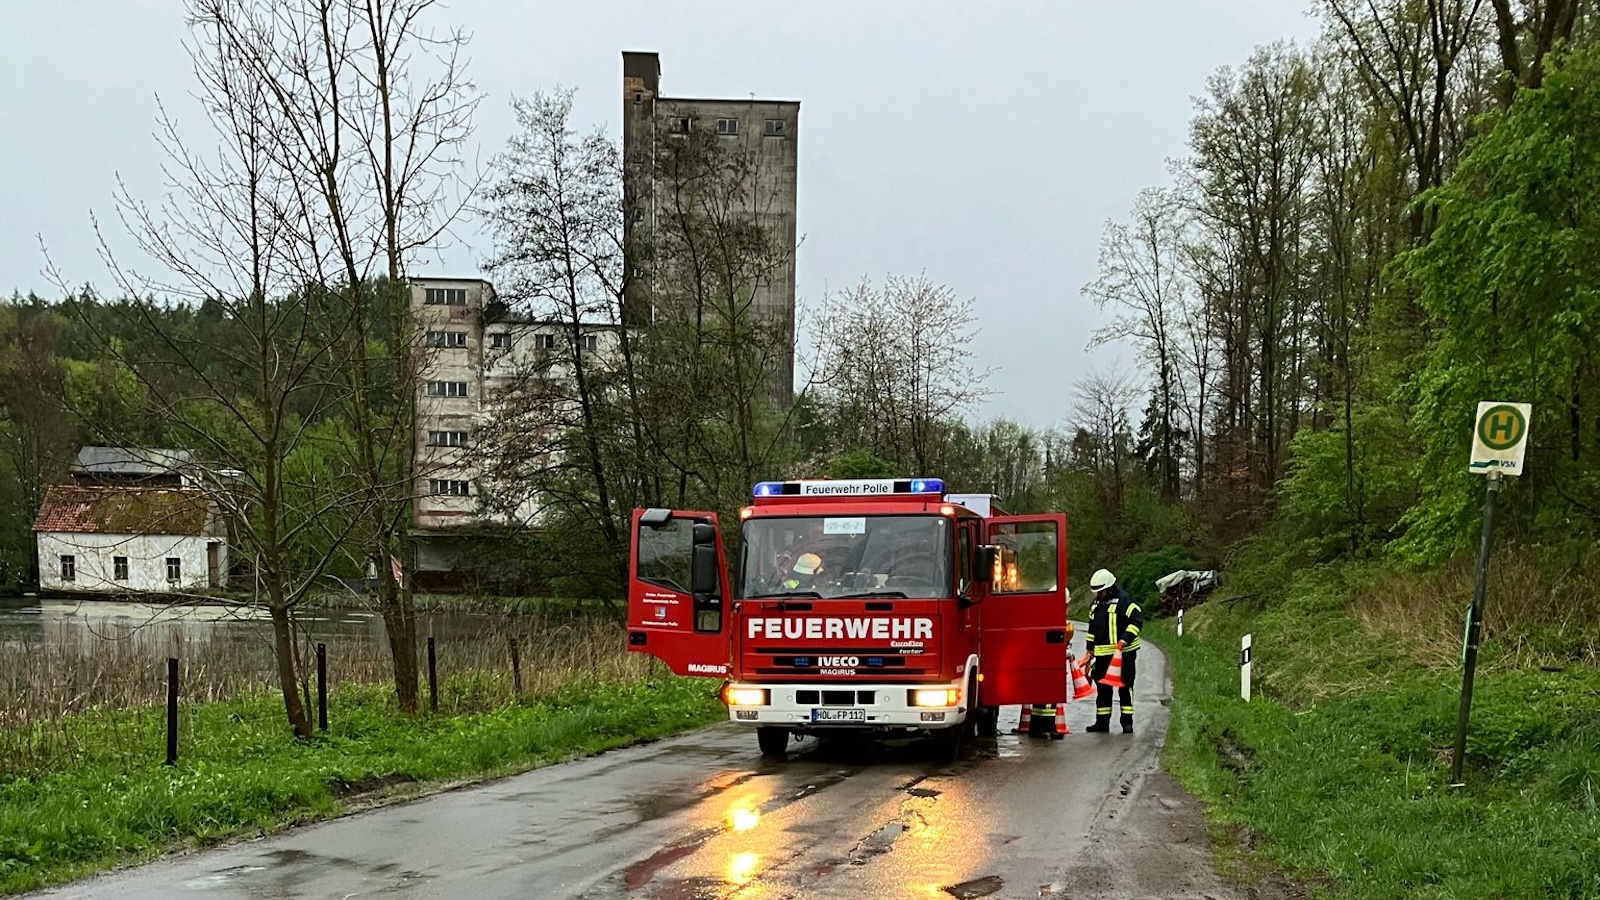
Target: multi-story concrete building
{"type": "Point", "coordinates": [473, 348]}
{"type": "Point", "coordinates": [766, 134]}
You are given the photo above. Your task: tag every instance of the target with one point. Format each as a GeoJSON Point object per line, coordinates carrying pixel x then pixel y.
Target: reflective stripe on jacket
{"type": "Point", "coordinates": [1116, 618]}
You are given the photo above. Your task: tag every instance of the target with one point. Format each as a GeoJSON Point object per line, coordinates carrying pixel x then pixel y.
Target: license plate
{"type": "Point", "coordinates": [838, 715]}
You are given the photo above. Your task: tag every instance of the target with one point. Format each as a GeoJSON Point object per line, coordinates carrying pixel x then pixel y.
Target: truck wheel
{"type": "Point", "coordinates": [774, 741]}
{"type": "Point", "coordinates": [947, 743]}
{"type": "Point", "coordinates": [970, 726]}
{"type": "Point", "coordinates": [988, 718]}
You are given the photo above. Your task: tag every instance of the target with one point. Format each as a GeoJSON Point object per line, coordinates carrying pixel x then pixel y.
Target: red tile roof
{"type": "Point", "coordinates": [122, 510]}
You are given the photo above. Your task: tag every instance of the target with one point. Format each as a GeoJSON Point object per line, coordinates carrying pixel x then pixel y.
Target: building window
{"type": "Point", "coordinates": [682, 124]}
{"type": "Point", "coordinates": [775, 128]}
{"type": "Point", "coordinates": [591, 343]}
{"type": "Point", "coordinates": [444, 296]}
{"type": "Point", "coordinates": [119, 568]}
{"type": "Point", "coordinates": [544, 341]}
{"type": "Point", "coordinates": [447, 439]}
{"type": "Point", "coordinates": [447, 338]}
{"type": "Point", "coordinates": [174, 568]}
{"type": "Point", "coordinates": [69, 568]}
{"type": "Point", "coordinates": [447, 389]}
{"type": "Point", "coordinates": [444, 487]}
{"type": "Point", "coordinates": [500, 341]}
{"type": "Point", "coordinates": [727, 126]}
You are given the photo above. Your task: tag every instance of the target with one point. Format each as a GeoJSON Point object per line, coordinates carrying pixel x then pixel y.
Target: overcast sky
{"type": "Point", "coordinates": [985, 144]}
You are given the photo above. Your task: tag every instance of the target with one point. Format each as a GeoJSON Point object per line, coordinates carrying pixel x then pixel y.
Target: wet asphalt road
{"type": "Point", "coordinates": [703, 816]}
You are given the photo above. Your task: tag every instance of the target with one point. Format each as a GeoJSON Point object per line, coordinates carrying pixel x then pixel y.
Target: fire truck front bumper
{"type": "Point", "coordinates": [820, 707]}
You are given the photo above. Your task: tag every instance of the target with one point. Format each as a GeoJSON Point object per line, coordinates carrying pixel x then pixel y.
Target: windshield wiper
{"type": "Point", "coordinates": [898, 594]}
{"type": "Point", "coordinates": [785, 594]}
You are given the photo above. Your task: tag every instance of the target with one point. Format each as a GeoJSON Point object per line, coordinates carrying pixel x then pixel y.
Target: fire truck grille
{"type": "Point", "coordinates": [836, 698]}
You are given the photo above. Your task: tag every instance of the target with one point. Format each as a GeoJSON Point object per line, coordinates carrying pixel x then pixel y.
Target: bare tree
{"type": "Point", "coordinates": [1141, 274]}
{"type": "Point", "coordinates": [374, 108]}
{"type": "Point", "coordinates": [225, 235]}
{"type": "Point", "coordinates": [1103, 440]}
{"type": "Point", "coordinates": [556, 208]}
{"type": "Point", "coordinates": [1408, 52]}
{"type": "Point", "coordinates": [1252, 163]}
{"type": "Point", "coordinates": [714, 352]}
{"type": "Point", "coordinates": [896, 366]}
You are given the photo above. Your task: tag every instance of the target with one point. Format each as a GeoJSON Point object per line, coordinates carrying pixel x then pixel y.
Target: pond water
{"type": "Point", "coordinates": [26, 621]}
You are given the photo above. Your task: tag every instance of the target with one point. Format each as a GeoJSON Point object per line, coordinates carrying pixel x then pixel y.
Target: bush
{"type": "Point", "coordinates": [1141, 570]}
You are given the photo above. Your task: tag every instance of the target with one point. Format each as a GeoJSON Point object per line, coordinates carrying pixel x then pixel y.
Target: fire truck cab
{"type": "Point", "coordinates": [876, 605]}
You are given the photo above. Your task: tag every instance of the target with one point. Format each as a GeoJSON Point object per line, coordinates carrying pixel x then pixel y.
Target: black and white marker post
{"type": "Point", "coordinates": [1244, 668]}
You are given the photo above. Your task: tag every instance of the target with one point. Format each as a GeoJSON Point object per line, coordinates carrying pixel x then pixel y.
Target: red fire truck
{"type": "Point", "coordinates": [878, 605]}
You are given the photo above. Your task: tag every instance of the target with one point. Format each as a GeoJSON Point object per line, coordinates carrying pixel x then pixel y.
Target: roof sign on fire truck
{"type": "Point", "coordinates": [855, 487]}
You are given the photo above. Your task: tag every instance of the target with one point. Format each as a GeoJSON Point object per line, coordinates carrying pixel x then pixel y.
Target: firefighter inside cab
{"type": "Point", "coordinates": [836, 557]}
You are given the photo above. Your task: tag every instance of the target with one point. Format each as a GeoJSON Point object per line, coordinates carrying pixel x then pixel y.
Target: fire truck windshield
{"type": "Point", "coordinates": [836, 557]}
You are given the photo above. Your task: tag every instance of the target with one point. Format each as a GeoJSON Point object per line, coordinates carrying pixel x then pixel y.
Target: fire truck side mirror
{"type": "Point", "coordinates": [703, 578]}
{"type": "Point", "coordinates": [703, 575]}
{"type": "Point", "coordinates": [983, 573]}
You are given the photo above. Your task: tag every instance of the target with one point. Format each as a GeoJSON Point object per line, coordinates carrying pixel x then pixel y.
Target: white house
{"type": "Point", "coordinates": [118, 539]}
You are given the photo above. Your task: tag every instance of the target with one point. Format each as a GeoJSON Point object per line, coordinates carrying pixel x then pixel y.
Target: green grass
{"type": "Point", "coordinates": [1338, 769]}
{"type": "Point", "coordinates": [241, 773]}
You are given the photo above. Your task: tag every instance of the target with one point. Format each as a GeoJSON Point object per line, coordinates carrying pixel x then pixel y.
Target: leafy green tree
{"type": "Point", "coordinates": [1509, 282]}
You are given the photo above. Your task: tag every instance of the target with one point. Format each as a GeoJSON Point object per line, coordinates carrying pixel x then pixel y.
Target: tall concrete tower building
{"type": "Point", "coordinates": [759, 143]}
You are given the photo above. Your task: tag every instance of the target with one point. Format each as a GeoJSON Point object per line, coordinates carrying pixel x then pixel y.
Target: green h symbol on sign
{"type": "Point", "coordinates": [1502, 428]}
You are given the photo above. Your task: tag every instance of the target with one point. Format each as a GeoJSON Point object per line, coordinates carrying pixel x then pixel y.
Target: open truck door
{"type": "Point", "coordinates": [678, 591]}
{"type": "Point", "coordinates": [1024, 617]}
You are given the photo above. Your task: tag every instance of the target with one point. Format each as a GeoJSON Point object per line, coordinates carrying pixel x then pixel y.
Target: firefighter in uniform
{"type": "Point", "coordinates": [1042, 721]}
{"type": "Point", "coordinates": [1114, 623]}
{"type": "Point", "coordinates": [804, 574]}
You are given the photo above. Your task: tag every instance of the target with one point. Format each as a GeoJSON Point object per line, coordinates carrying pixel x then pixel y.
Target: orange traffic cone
{"type": "Point", "coordinates": [1113, 676]}
{"type": "Point", "coordinates": [1081, 687]}
{"type": "Point", "coordinates": [1061, 719]}
{"type": "Point", "coordinates": [1024, 721]}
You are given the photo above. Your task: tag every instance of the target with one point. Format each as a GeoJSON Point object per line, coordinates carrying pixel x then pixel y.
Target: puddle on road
{"type": "Point", "coordinates": [979, 887]}
{"type": "Point", "coordinates": [639, 874]}
{"type": "Point", "coordinates": [877, 843]}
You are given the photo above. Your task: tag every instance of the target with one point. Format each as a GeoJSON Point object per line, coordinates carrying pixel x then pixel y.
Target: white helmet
{"type": "Point", "coordinates": [1101, 580]}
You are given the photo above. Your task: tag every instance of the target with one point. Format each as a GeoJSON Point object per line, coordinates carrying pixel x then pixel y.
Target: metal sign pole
{"type": "Point", "coordinates": [1474, 628]}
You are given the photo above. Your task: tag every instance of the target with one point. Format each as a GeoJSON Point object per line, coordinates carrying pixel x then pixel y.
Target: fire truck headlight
{"type": "Point", "coordinates": [746, 696]}
{"type": "Point", "coordinates": [938, 697]}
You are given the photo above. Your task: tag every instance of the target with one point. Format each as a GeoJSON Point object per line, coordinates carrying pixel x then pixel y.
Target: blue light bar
{"type": "Point", "coordinates": [855, 487]}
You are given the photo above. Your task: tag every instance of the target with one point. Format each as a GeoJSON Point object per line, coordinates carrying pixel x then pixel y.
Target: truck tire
{"type": "Point", "coordinates": [774, 741]}
{"type": "Point", "coordinates": [947, 743]}
{"type": "Point", "coordinates": [988, 718]}
{"type": "Point", "coordinates": [969, 726]}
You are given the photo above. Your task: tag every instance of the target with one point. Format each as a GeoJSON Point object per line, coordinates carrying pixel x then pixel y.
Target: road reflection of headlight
{"type": "Point", "coordinates": [742, 867]}
{"type": "Point", "coordinates": [743, 818]}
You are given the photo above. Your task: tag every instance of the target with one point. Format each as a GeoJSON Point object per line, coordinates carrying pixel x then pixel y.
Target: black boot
{"type": "Point", "coordinates": [1101, 723]}
{"type": "Point", "coordinates": [1041, 726]}
{"type": "Point", "coordinates": [1127, 724]}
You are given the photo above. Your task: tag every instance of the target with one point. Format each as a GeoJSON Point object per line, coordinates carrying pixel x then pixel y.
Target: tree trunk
{"type": "Point", "coordinates": [283, 649]}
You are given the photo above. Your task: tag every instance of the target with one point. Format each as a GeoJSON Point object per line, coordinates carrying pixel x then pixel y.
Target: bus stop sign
{"type": "Point", "coordinates": [1500, 437]}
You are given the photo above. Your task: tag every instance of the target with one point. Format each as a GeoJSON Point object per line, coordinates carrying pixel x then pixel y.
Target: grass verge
{"type": "Point", "coordinates": [241, 773]}
{"type": "Point", "coordinates": [1338, 769]}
